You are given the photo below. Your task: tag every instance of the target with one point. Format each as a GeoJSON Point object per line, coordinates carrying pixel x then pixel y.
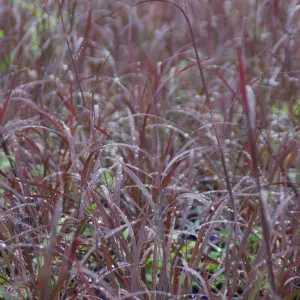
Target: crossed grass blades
{"type": "Point", "coordinates": [149, 150]}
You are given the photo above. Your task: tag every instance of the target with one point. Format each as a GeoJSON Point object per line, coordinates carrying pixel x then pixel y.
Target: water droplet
{"type": "Point", "coordinates": [51, 77]}
{"type": "Point", "coordinates": [3, 245]}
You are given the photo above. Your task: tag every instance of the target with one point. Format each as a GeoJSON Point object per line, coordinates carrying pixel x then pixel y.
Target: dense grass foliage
{"type": "Point", "coordinates": [149, 150]}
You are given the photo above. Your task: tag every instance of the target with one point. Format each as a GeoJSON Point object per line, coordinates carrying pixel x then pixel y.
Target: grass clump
{"type": "Point", "coordinates": [149, 150]}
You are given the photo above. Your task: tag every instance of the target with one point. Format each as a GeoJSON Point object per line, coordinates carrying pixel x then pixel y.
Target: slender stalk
{"type": "Point", "coordinates": [262, 199]}
{"type": "Point", "coordinates": [70, 53]}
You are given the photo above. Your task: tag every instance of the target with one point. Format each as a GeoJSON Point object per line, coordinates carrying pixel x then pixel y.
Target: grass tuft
{"type": "Point", "coordinates": [149, 150]}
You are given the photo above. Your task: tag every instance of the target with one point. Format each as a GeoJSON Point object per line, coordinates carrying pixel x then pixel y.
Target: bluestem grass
{"type": "Point", "coordinates": [132, 164]}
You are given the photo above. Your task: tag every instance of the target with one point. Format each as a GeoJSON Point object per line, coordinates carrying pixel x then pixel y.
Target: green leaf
{"type": "Point", "coordinates": [6, 62]}
{"type": "Point", "coordinates": [91, 208]}
{"type": "Point", "coordinates": [4, 164]}
{"type": "Point", "coordinates": [126, 233]}
{"type": "Point", "coordinates": [215, 255]}
{"type": "Point", "coordinates": [87, 230]}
